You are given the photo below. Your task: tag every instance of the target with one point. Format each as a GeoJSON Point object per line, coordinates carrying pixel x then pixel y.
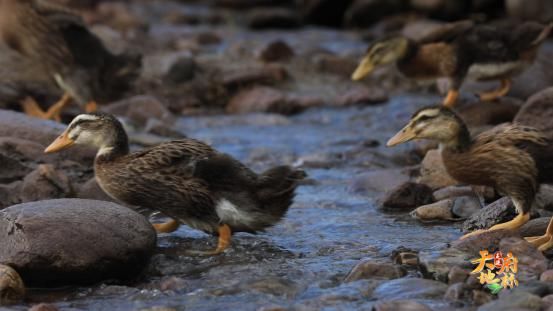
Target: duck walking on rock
{"type": "Point", "coordinates": [59, 45]}
{"type": "Point", "coordinates": [514, 159]}
{"type": "Point", "coordinates": [184, 179]}
{"type": "Point", "coordinates": [459, 50]}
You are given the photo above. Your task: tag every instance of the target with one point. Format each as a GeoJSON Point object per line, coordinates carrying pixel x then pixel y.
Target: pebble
{"type": "Point", "coordinates": [374, 270]}
{"type": "Point", "coordinates": [12, 289]}
{"type": "Point", "coordinates": [440, 210]}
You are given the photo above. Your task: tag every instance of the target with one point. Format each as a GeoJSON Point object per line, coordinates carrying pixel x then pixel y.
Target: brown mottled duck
{"type": "Point", "coordinates": [460, 50]}
{"type": "Point", "coordinates": [186, 180]}
{"type": "Point", "coordinates": [59, 45]}
{"type": "Point", "coordinates": [514, 159]}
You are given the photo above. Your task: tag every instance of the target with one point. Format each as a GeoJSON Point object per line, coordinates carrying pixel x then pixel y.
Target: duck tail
{"type": "Point", "coordinates": [276, 189]}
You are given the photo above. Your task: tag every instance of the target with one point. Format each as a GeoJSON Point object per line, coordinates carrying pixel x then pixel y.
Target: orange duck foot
{"type": "Point", "coordinates": [451, 98]}
{"type": "Point", "coordinates": [166, 227]}
{"type": "Point", "coordinates": [225, 234]}
{"type": "Point", "coordinates": [495, 94]}
{"type": "Point", "coordinates": [30, 107]}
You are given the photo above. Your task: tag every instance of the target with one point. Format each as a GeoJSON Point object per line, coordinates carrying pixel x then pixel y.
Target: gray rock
{"type": "Point", "coordinates": [531, 262]}
{"type": "Point", "coordinates": [492, 113]}
{"type": "Point", "coordinates": [537, 112]}
{"type": "Point", "coordinates": [374, 270]}
{"type": "Point", "coordinates": [433, 172]}
{"type": "Point", "coordinates": [276, 51]}
{"type": "Point", "coordinates": [400, 305]}
{"type": "Point", "coordinates": [440, 210]}
{"type": "Point", "coordinates": [45, 183]}
{"type": "Point", "coordinates": [465, 206]}
{"type": "Point", "coordinates": [497, 212]}
{"type": "Point", "coordinates": [535, 227]}
{"type": "Point", "coordinates": [67, 241]}
{"type": "Point", "coordinates": [452, 192]}
{"type": "Point", "coordinates": [182, 70]}
{"type": "Point", "coordinates": [438, 264]}
{"type": "Point", "coordinates": [267, 99]}
{"type": "Point", "coordinates": [456, 292]}
{"type": "Point", "coordinates": [514, 301]}
{"type": "Point", "coordinates": [408, 195]}
{"type": "Point", "coordinates": [410, 288]}
{"type": "Point", "coordinates": [379, 181]}
{"type": "Point", "coordinates": [457, 275]}
{"type": "Point", "coordinates": [12, 289]}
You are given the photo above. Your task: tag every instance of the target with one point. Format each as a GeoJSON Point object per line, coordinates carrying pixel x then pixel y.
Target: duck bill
{"type": "Point", "coordinates": [406, 134]}
{"type": "Point", "coordinates": [364, 69]}
{"type": "Point", "coordinates": [62, 142]}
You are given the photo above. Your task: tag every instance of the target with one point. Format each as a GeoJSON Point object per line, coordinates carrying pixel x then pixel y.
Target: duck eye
{"type": "Point", "coordinates": [424, 118]}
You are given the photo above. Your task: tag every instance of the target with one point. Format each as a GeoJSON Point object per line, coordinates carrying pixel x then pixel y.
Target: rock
{"type": "Point", "coordinates": [438, 264]}
{"type": "Point", "coordinates": [538, 77]}
{"type": "Point", "coordinates": [207, 38]}
{"type": "Point", "coordinates": [531, 262]}
{"type": "Point", "coordinates": [273, 18]}
{"type": "Point", "coordinates": [276, 51]}
{"type": "Point", "coordinates": [91, 190]}
{"type": "Point", "coordinates": [139, 109]}
{"type": "Point", "coordinates": [452, 192]}
{"type": "Point", "coordinates": [333, 64]}
{"type": "Point", "coordinates": [497, 212]}
{"type": "Point", "coordinates": [400, 305]}
{"type": "Point", "coordinates": [44, 307]}
{"type": "Point", "coordinates": [490, 113]}
{"type": "Point", "coordinates": [465, 206]}
{"type": "Point", "coordinates": [274, 286]}
{"type": "Point", "coordinates": [481, 297]}
{"type": "Point", "coordinates": [514, 301]}
{"type": "Point", "coordinates": [485, 240]}
{"type": "Point", "coordinates": [48, 243]}
{"type": "Point", "coordinates": [248, 76]}
{"type": "Point", "coordinates": [266, 99]}
{"type": "Point", "coordinates": [363, 13]}
{"type": "Point", "coordinates": [408, 195]}
{"type": "Point", "coordinates": [249, 4]}
{"type": "Point", "coordinates": [410, 288]}
{"type": "Point", "coordinates": [537, 112]}
{"type": "Point", "coordinates": [547, 301]}
{"type": "Point", "coordinates": [456, 292]}
{"type": "Point", "coordinates": [45, 183]}
{"type": "Point", "coordinates": [181, 71]}
{"type": "Point", "coordinates": [440, 210]}
{"type": "Point", "coordinates": [433, 172]}
{"type": "Point", "coordinates": [420, 28]}
{"type": "Point", "coordinates": [12, 289]}
{"type": "Point", "coordinates": [361, 95]}
{"type": "Point", "coordinates": [537, 10]}
{"type": "Point", "coordinates": [22, 150]}
{"type": "Point", "coordinates": [544, 198]}
{"type": "Point", "coordinates": [442, 9]}
{"type": "Point", "coordinates": [12, 169]}
{"type": "Point", "coordinates": [457, 275]}
{"type": "Point", "coordinates": [547, 276]}
{"type": "Point", "coordinates": [379, 181]}
{"type": "Point", "coordinates": [369, 269]}
{"type": "Point", "coordinates": [535, 227]}
{"type": "Point", "coordinates": [323, 12]}
{"type": "Point", "coordinates": [405, 256]}
{"type": "Point", "coordinates": [9, 194]}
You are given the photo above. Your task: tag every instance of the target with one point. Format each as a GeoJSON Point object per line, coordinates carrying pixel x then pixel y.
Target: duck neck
{"type": "Point", "coordinates": [410, 52]}
{"type": "Point", "coordinates": [460, 142]}
{"type": "Point", "coordinates": [117, 147]}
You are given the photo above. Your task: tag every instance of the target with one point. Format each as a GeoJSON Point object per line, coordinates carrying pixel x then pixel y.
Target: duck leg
{"type": "Point", "coordinates": [91, 106]}
{"type": "Point", "coordinates": [166, 227]}
{"type": "Point", "coordinates": [451, 98]}
{"type": "Point", "coordinates": [545, 241]}
{"type": "Point", "coordinates": [495, 94]}
{"type": "Point", "coordinates": [513, 224]}
{"type": "Point", "coordinates": [225, 235]}
{"type": "Point", "coordinates": [31, 108]}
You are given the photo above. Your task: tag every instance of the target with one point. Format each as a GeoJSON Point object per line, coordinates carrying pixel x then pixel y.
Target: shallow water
{"type": "Point", "coordinates": [301, 261]}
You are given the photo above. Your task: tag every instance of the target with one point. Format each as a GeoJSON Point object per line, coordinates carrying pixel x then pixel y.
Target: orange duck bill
{"type": "Point", "coordinates": [62, 142]}
{"type": "Point", "coordinates": [406, 134]}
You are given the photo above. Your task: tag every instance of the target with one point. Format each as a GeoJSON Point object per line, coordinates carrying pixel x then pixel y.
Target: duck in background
{"type": "Point", "coordinates": [184, 179]}
{"type": "Point", "coordinates": [56, 41]}
{"type": "Point", "coordinates": [514, 159]}
{"type": "Point", "coordinates": [460, 50]}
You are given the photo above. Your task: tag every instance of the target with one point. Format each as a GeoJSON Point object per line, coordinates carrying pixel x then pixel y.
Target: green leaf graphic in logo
{"type": "Point", "coordinates": [495, 288]}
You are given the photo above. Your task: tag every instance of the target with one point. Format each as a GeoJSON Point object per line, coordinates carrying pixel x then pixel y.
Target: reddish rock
{"type": "Point", "coordinates": [276, 51]}
{"type": "Point", "coordinates": [492, 113]}
{"type": "Point", "coordinates": [361, 95]}
{"type": "Point", "coordinates": [44, 307]}
{"type": "Point", "coordinates": [247, 76]}
{"type": "Point", "coordinates": [333, 64]}
{"type": "Point", "coordinates": [400, 305]}
{"type": "Point", "coordinates": [374, 270]}
{"type": "Point", "coordinates": [266, 99]}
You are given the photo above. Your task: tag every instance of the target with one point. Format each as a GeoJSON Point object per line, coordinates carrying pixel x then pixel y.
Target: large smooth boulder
{"type": "Point", "coordinates": [69, 241]}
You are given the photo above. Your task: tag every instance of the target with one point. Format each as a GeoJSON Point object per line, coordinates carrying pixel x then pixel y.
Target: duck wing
{"type": "Point", "coordinates": [448, 32]}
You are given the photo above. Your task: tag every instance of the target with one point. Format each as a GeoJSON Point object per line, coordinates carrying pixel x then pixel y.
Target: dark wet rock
{"type": "Point", "coordinates": [361, 95]}
{"type": "Point", "coordinates": [22, 150]}
{"type": "Point", "coordinates": [485, 240]}
{"type": "Point", "coordinates": [273, 18]}
{"type": "Point", "coordinates": [400, 305]}
{"type": "Point", "coordinates": [323, 12]}
{"type": "Point", "coordinates": [442, 9]}
{"type": "Point", "coordinates": [48, 244]}
{"type": "Point", "coordinates": [266, 99]}
{"type": "Point", "coordinates": [44, 307]}
{"type": "Point", "coordinates": [379, 181]}
{"type": "Point", "coordinates": [456, 292]}
{"type": "Point", "coordinates": [514, 301]}
{"type": "Point", "coordinates": [405, 256]}
{"type": "Point", "coordinates": [547, 276]}
{"type": "Point", "coordinates": [531, 262]}
{"type": "Point", "coordinates": [410, 288]}
{"type": "Point", "coordinates": [12, 169]}
{"type": "Point", "coordinates": [465, 206]}
{"type": "Point", "coordinates": [139, 109]}
{"type": "Point", "coordinates": [408, 195]}
{"type": "Point", "coordinates": [497, 212]}
{"type": "Point", "coordinates": [333, 64]}
{"type": "Point", "coordinates": [480, 297]}
{"type": "Point", "coordinates": [9, 194]}
{"type": "Point", "coordinates": [249, 4]}
{"type": "Point", "coordinates": [433, 172]}
{"type": "Point", "coordinates": [248, 76]}
{"type": "Point", "coordinates": [535, 287]}
{"type": "Point", "coordinates": [45, 182]}
{"type": "Point", "coordinates": [438, 264]}
{"type": "Point", "coordinates": [182, 70]}
{"type": "Point", "coordinates": [363, 13]}
{"type": "Point", "coordinates": [369, 269]}
{"type": "Point", "coordinates": [537, 10]}
{"type": "Point", "coordinates": [207, 38]}
{"type": "Point", "coordinates": [276, 51]}
{"type": "Point", "coordinates": [490, 113]}
{"type": "Point", "coordinates": [12, 289]}
{"type": "Point", "coordinates": [440, 210]}
{"type": "Point", "coordinates": [535, 227]}
{"type": "Point", "coordinates": [457, 275]}
{"type": "Point", "coordinates": [91, 190]}
{"type": "Point", "coordinates": [544, 198]}
{"type": "Point", "coordinates": [160, 128]}
{"type": "Point", "coordinates": [537, 112]}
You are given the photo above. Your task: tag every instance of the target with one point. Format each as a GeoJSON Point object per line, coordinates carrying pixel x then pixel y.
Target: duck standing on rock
{"type": "Point", "coordinates": [184, 179]}
{"type": "Point", "coordinates": [459, 50]}
{"type": "Point", "coordinates": [514, 159]}
{"type": "Point", "coordinates": [61, 48]}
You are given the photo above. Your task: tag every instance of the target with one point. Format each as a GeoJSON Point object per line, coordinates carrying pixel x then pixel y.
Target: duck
{"type": "Point", "coordinates": [185, 179]}
{"type": "Point", "coordinates": [514, 159]}
{"type": "Point", "coordinates": [460, 50]}
{"type": "Point", "coordinates": [60, 47]}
